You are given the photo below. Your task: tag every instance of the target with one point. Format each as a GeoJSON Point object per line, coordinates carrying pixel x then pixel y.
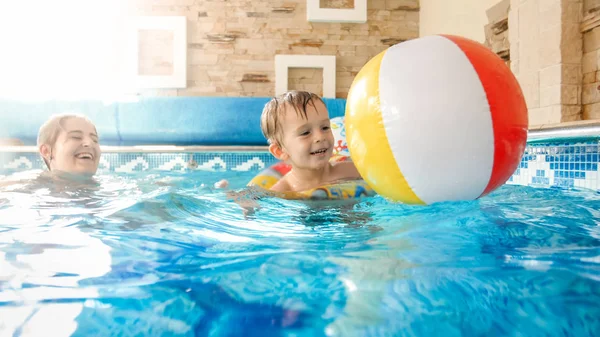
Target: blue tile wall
{"type": "Point", "coordinates": [564, 164]}
{"type": "Point", "coordinates": [568, 165]}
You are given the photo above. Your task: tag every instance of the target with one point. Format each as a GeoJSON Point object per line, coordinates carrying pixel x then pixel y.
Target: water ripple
{"type": "Point", "coordinates": [165, 254]}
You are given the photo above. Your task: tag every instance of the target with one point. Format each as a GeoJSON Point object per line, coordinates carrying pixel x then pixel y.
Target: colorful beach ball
{"type": "Point", "coordinates": [438, 118]}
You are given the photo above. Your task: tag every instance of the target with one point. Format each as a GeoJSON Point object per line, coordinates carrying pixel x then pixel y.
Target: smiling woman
{"type": "Point", "coordinates": [69, 144]}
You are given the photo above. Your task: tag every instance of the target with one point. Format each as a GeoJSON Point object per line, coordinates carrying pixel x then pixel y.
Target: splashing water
{"type": "Point", "coordinates": [165, 254]}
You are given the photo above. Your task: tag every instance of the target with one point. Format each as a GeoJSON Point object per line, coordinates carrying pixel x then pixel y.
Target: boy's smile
{"type": "Point", "coordinates": [320, 152]}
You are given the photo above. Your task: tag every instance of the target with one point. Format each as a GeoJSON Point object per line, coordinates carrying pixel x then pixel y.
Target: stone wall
{"type": "Point", "coordinates": [590, 28]}
{"type": "Point", "coordinates": [496, 31]}
{"type": "Point", "coordinates": [231, 44]}
{"type": "Point", "coordinates": [546, 56]}
{"type": "Point", "coordinates": [465, 18]}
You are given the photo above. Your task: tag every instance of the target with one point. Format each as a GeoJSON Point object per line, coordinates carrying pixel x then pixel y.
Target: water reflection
{"type": "Point", "coordinates": [160, 254]}
{"type": "Point", "coordinates": [45, 255]}
{"type": "Point", "coordinates": [40, 266]}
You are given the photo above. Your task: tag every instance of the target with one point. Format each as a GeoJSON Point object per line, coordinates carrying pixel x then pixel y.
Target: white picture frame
{"type": "Point", "coordinates": [178, 79]}
{"type": "Point", "coordinates": [325, 62]}
{"type": "Point", "coordinates": [358, 14]}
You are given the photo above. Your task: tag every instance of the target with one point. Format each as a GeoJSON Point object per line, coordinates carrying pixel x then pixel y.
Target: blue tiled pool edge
{"type": "Point", "coordinates": [565, 164]}
{"type": "Point", "coordinates": [129, 162]}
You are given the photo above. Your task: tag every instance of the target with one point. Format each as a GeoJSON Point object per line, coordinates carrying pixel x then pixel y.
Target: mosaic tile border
{"type": "Point", "coordinates": [566, 164]}
{"type": "Point", "coordinates": [136, 162]}
{"type": "Point", "coordinates": [552, 164]}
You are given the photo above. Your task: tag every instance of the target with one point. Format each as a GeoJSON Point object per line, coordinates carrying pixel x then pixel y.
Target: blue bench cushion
{"type": "Point", "coordinates": [156, 120]}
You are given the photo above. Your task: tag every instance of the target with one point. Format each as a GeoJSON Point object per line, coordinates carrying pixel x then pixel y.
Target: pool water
{"type": "Point", "coordinates": [165, 254]}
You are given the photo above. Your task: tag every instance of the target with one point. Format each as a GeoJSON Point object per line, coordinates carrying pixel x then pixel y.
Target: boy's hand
{"type": "Point", "coordinates": [221, 184]}
{"type": "Point", "coordinates": [246, 199]}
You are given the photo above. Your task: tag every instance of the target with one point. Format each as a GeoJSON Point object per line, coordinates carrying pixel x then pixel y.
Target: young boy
{"type": "Point", "coordinates": [297, 127]}
{"type": "Point", "coordinates": [69, 144]}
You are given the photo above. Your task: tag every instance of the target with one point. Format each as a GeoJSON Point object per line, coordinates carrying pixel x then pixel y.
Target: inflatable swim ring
{"type": "Point", "coordinates": [348, 189]}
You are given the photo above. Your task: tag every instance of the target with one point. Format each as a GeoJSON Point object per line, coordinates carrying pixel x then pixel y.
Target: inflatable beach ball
{"type": "Point", "coordinates": [438, 118]}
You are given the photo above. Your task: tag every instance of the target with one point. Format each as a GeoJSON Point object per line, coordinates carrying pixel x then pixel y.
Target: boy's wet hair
{"type": "Point", "coordinates": [49, 131]}
{"type": "Point", "coordinates": [275, 109]}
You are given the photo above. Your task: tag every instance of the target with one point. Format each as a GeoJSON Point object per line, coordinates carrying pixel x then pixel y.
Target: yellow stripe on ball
{"type": "Point", "coordinates": [364, 125]}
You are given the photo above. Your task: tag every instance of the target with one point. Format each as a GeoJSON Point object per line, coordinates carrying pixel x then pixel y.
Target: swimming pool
{"type": "Point", "coordinates": [152, 249]}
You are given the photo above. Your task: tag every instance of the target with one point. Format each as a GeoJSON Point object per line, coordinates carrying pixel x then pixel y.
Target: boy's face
{"type": "Point", "coordinates": [76, 149]}
{"type": "Point", "coordinates": [307, 143]}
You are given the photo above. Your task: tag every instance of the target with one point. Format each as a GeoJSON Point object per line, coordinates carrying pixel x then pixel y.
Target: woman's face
{"type": "Point", "coordinates": [76, 149]}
